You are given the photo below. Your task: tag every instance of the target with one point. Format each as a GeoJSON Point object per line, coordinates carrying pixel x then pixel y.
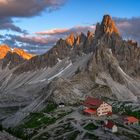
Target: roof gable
{"type": "Point", "coordinates": [131, 119]}
{"type": "Point", "coordinates": [93, 101]}
{"type": "Point", "coordinates": [90, 111]}
{"type": "Point", "coordinates": [109, 124]}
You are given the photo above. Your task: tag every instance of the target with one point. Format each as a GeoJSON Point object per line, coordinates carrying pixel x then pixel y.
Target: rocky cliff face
{"type": "Point", "coordinates": [114, 64]}
{"type": "Point", "coordinates": [12, 60]}
{"type": "Point", "coordinates": [107, 26]}
{"type": "Point", "coordinates": [126, 52]}
{"type": "Point", "coordinates": [115, 61]}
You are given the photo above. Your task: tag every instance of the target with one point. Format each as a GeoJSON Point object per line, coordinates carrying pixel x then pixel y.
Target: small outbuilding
{"type": "Point", "coordinates": [131, 120]}
{"type": "Point", "coordinates": [110, 126]}
{"type": "Point", "coordinates": [61, 105]}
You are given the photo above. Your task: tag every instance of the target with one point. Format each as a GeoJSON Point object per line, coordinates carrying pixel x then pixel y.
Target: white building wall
{"type": "Point", "coordinates": [104, 109]}
{"type": "Point", "coordinates": [114, 129]}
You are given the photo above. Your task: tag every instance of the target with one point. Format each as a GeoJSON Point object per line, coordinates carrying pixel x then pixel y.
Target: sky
{"type": "Point", "coordinates": [36, 25]}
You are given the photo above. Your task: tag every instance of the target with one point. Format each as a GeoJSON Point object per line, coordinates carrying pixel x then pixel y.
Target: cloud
{"type": "Point", "coordinates": [42, 41]}
{"type": "Point", "coordinates": [35, 40]}
{"type": "Point", "coordinates": [67, 31]}
{"type": "Point", "coordinates": [129, 28]}
{"type": "Point", "coordinates": [23, 8]}
{"type": "Point", "coordinates": [1, 36]}
{"type": "Point", "coordinates": [27, 8]}
{"type": "Point", "coordinates": [33, 44]}
{"type": "Point", "coordinates": [7, 24]}
{"type": "Point", "coordinates": [53, 32]}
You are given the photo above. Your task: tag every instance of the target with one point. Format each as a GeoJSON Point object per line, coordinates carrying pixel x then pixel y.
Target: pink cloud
{"type": "Point", "coordinates": [53, 32]}
{"type": "Point", "coordinates": [67, 31]}
{"type": "Point", "coordinates": [124, 24]}
{"type": "Point", "coordinates": [36, 40]}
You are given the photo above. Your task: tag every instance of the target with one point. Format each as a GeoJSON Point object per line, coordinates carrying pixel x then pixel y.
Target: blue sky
{"type": "Point", "coordinates": [81, 12]}
{"type": "Point", "coordinates": [68, 14]}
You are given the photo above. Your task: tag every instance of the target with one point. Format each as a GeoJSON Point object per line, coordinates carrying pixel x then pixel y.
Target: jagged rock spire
{"type": "Point", "coordinates": [71, 39]}
{"type": "Point", "coordinates": [80, 38]}
{"type": "Point", "coordinates": [89, 34]}
{"type": "Point", "coordinates": [107, 26]}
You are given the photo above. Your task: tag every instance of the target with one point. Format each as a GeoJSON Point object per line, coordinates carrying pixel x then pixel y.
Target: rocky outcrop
{"type": "Point", "coordinates": [12, 60]}
{"type": "Point", "coordinates": [22, 53]}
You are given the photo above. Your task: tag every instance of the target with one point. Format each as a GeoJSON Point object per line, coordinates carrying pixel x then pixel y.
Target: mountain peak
{"type": "Point", "coordinates": [80, 38]}
{"type": "Point", "coordinates": [5, 49]}
{"type": "Point", "coordinates": [107, 26]}
{"type": "Point", "coordinates": [70, 39]}
{"type": "Point", "coordinates": [89, 34]}
{"type": "Point", "coordinates": [22, 53]}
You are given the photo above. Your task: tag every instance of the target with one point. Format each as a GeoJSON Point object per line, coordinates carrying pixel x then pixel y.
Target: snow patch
{"type": "Point", "coordinates": [38, 81]}
{"type": "Point", "coordinates": [12, 49]}
{"type": "Point", "coordinates": [120, 69]}
{"type": "Point", "coordinates": [59, 60]}
{"type": "Point", "coordinates": [43, 80]}
{"type": "Point", "coordinates": [59, 73]}
{"type": "Point", "coordinates": [110, 51]}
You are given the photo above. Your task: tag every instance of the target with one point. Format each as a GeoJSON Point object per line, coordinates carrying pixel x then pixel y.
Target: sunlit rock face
{"type": "Point", "coordinates": [107, 26]}
{"type": "Point", "coordinates": [22, 53]}
{"type": "Point", "coordinates": [71, 39]}
{"type": "Point", "coordinates": [4, 49]}
{"type": "Point", "coordinates": [12, 57]}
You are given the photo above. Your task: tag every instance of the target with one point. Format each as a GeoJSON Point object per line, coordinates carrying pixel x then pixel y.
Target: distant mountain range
{"type": "Point", "coordinates": [12, 57]}
{"type": "Point", "coordinates": [102, 65]}
{"type": "Point", "coordinates": [4, 50]}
